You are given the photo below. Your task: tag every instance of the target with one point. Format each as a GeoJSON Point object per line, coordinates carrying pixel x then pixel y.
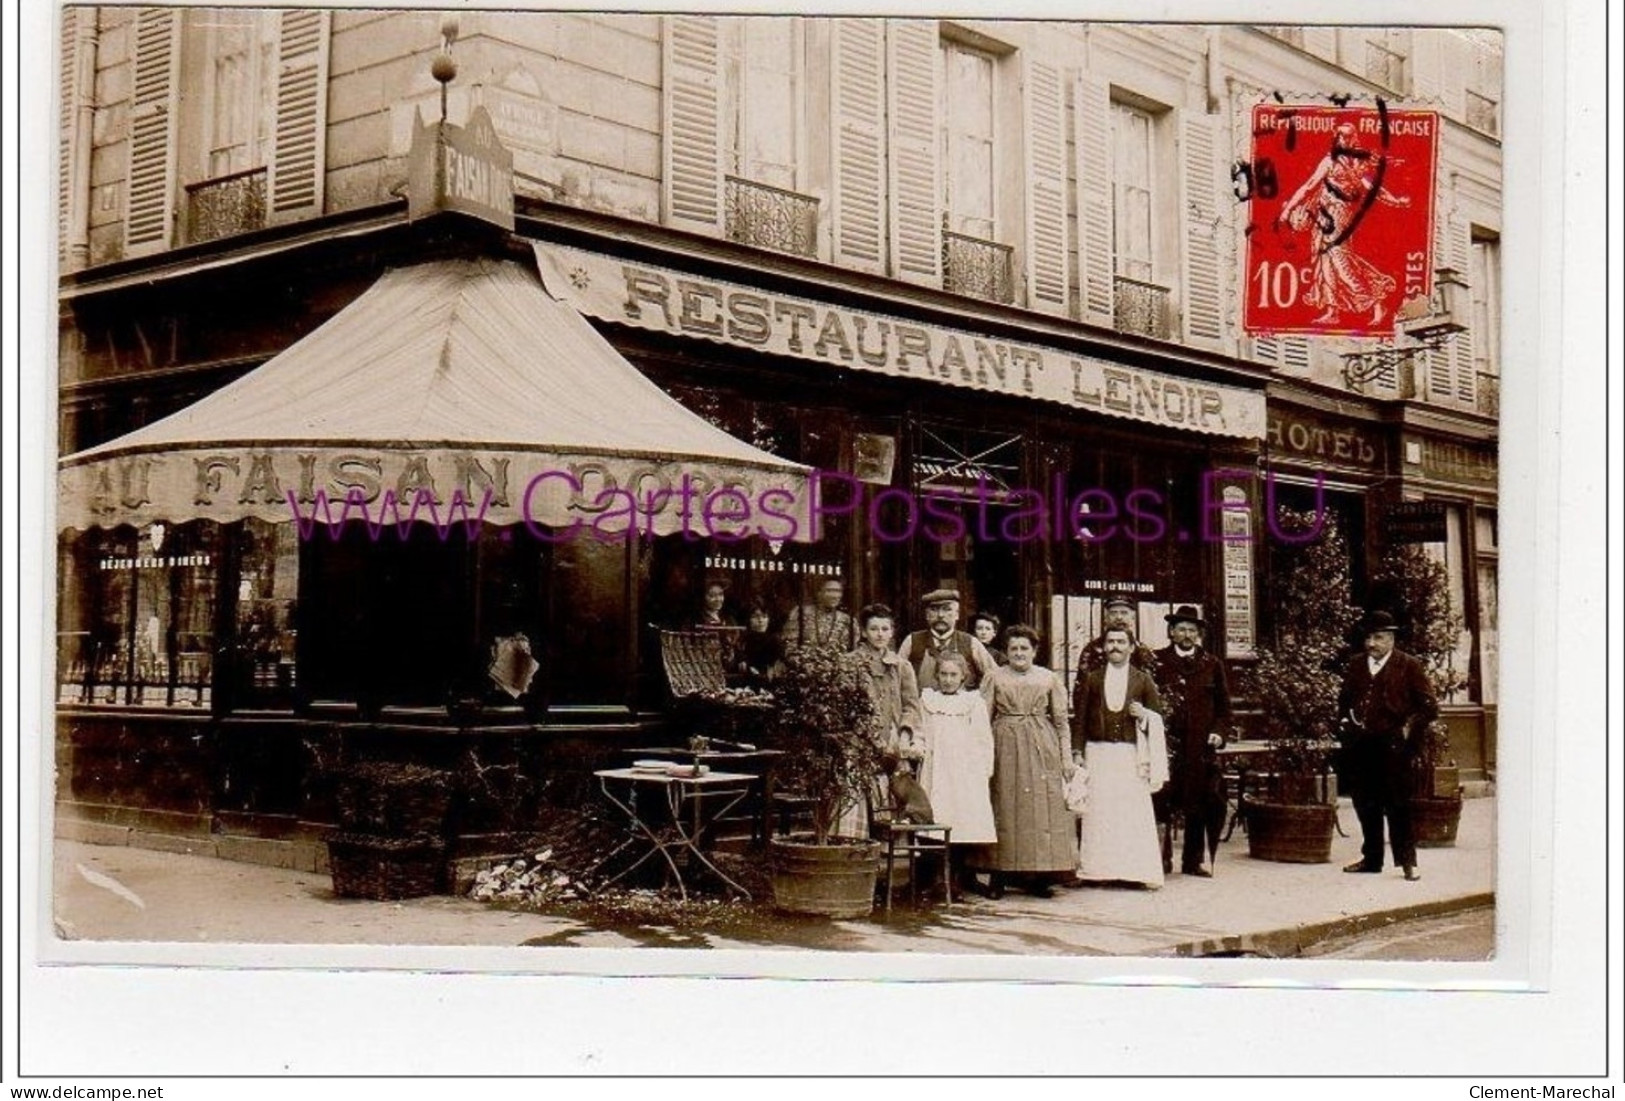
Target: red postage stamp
{"type": "Point", "coordinates": [1341, 233]}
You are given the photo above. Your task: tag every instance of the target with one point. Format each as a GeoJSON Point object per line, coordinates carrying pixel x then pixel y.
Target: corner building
{"type": "Point", "coordinates": [982, 276]}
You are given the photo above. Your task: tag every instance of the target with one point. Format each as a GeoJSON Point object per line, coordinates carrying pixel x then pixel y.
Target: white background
{"type": "Point", "coordinates": [1557, 787]}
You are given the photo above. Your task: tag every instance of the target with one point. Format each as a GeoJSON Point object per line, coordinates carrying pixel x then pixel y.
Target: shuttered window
{"type": "Point", "coordinates": [1044, 142]}
{"type": "Point", "coordinates": [67, 116]}
{"type": "Point", "coordinates": [1092, 121]}
{"type": "Point", "coordinates": [149, 207]}
{"type": "Point", "coordinates": [764, 123]}
{"type": "Point", "coordinates": [692, 173]}
{"type": "Point", "coordinates": [1484, 324]}
{"type": "Point", "coordinates": [1131, 193]}
{"type": "Point", "coordinates": [859, 195]}
{"type": "Point", "coordinates": [913, 153]}
{"type": "Point", "coordinates": [1206, 258]}
{"type": "Point", "coordinates": [242, 70]}
{"type": "Point", "coordinates": [298, 154]}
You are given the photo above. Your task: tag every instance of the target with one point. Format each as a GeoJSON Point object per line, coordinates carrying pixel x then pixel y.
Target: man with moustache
{"type": "Point", "coordinates": [1383, 712]}
{"type": "Point", "coordinates": [1197, 699]}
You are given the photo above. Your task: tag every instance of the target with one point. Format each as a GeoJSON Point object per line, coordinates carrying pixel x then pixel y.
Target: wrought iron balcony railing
{"type": "Point", "coordinates": [977, 268]}
{"type": "Point", "coordinates": [1142, 308]}
{"type": "Point", "coordinates": [225, 205]}
{"type": "Point", "coordinates": [770, 217]}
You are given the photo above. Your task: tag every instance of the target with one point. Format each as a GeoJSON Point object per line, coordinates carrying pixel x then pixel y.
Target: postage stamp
{"type": "Point", "coordinates": [1341, 235]}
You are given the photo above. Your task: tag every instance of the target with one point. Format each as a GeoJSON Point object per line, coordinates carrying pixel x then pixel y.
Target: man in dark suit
{"type": "Point", "coordinates": [1383, 711]}
{"type": "Point", "coordinates": [1197, 702]}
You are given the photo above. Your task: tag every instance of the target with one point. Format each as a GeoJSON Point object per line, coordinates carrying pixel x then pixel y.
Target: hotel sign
{"type": "Point", "coordinates": [662, 300]}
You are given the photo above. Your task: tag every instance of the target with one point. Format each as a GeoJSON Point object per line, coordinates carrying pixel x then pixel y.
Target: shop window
{"type": "Point", "coordinates": [265, 670]}
{"type": "Point", "coordinates": [763, 130]}
{"type": "Point", "coordinates": [1453, 554]}
{"type": "Point", "coordinates": [1489, 646]}
{"type": "Point", "coordinates": [974, 261]}
{"type": "Point", "coordinates": [137, 615]}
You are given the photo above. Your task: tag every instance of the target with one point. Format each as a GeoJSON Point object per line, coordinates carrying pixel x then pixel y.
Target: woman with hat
{"type": "Point", "coordinates": [1196, 700]}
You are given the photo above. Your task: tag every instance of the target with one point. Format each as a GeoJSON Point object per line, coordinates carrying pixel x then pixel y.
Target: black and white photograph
{"type": "Point", "coordinates": [710, 493]}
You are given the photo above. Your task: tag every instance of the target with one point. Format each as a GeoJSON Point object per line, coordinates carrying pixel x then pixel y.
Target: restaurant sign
{"type": "Point", "coordinates": [462, 168]}
{"type": "Point", "coordinates": [668, 301]}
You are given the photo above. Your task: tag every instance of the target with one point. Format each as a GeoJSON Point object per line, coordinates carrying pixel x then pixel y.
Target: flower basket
{"type": "Point", "coordinates": [384, 868]}
{"type": "Point", "coordinates": [394, 800]}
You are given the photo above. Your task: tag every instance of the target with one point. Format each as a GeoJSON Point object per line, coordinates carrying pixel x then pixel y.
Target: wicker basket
{"type": "Point", "coordinates": [400, 800]}
{"type": "Point", "coordinates": [384, 868]}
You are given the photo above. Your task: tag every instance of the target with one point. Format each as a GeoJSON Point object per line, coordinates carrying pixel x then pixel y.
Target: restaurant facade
{"type": "Point", "coordinates": [911, 303]}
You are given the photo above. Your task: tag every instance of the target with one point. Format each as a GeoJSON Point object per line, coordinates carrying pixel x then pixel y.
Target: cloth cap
{"type": "Point", "coordinates": [940, 596]}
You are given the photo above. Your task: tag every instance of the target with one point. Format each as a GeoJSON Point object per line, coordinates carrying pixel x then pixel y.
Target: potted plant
{"type": "Point", "coordinates": [1296, 685]}
{"type": "Point", "coordinates": [827, 727]}
{"type": "Point", "coordinates": [1415, 586]}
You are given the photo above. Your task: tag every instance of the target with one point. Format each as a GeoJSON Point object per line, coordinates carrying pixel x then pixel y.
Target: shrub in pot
{"type": "Point", "coordinates": [828, 729]}
{"type": "Point", "coordinates": [1296, 683]}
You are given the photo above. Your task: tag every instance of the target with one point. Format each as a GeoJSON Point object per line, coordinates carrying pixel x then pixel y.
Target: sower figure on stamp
{"type": "Point", "coordinates": [1196, 699]}
{"type": "Point", "coordinates": [1383, 712]}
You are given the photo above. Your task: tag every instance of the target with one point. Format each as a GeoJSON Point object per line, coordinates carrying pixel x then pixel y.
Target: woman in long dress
{"type": "Point", "coordinates": [957, 738]}
{"type": "Point", "coordinates": [1027, 704]}
{"type": "Point", "coordinates": [1119, 733]}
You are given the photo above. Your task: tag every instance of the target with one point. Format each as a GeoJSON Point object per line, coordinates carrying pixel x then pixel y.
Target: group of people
{"type": "Point", "coordinates": [1039, 793]}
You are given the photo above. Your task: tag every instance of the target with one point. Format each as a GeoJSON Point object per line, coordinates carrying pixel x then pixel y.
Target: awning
{"type": "Point", "coordinates": [455, 388]}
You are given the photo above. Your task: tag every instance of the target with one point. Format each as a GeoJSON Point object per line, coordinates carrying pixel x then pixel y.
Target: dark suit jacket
{"type": "Point", "coordinates": [1396, 705]}
{"type": "Point", "coordinates": [1089, 702]}
{"type": "Point", "coordinates": [1198, 699]}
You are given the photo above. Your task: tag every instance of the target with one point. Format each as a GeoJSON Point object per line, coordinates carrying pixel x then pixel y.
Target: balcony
{"type": "Point", "coordinates": [770, 217]}
{"type": "Point", "coordinates": [225, 205]}
{"type": "Point", "coordinates": [977, 268]}
{"type": "Point", "coordinates": [1142, 308]}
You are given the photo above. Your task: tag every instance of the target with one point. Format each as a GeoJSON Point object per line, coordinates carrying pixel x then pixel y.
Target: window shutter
{"type": "Point", "coordinates": [1204, 282]}
{"type": "Point", "coordinates": [1092, 118]}
{"type": "Point", "coordinates": [297, 166]}
{"type": "Point", "coordinates": [149, 215]}
{"type": "Point", "coordinates": [67, 112]}
{"type": "Point", "coordinates": [1044, 103]}
{"type": "Point", "coordinates": [1295, 353]}
{"type": "Point", "coordinates": [1441, 380]}
{"type": "Point", "coordinates": [914, 144]}
{"type": "Point", "coordinates": [693, 149]}
{"type": "Point", "coordinates": [858, 214]}
{"type": "Point", "coordinates": [1461, 348]}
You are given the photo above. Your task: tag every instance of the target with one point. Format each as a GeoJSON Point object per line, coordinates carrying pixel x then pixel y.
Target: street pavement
{"type": "Point", "coordinates": [1249, 907]}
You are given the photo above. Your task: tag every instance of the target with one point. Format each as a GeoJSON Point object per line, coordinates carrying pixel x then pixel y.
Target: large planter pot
{"type": "Point", "coordinates": [835, 880]}
{"type": "Point", "coordinates": [1292, 833]}
{"type": "Point", "coordinates": [1434, 820]}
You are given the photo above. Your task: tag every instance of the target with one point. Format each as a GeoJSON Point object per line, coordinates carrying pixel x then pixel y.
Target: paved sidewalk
{"type": "Point", "coordinates": [1250, 906]}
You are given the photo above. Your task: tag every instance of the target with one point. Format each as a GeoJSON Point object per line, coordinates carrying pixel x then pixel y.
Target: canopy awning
{"type": "Point", "coordinates": [453, 388]}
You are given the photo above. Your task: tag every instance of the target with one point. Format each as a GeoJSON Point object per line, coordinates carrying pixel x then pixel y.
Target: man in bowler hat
{"type": "Point", "coordinates": [1383, 712]}
{"type": "Point", "coordinates": [1196, 698]}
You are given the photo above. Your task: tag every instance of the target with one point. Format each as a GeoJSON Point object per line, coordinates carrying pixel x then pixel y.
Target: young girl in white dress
{"type": "Point", "coordinates": [958, 741]}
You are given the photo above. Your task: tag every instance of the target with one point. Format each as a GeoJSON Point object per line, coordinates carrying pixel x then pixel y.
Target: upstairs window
{"type": "Point", "coordinates": [1485, 288]}
{"type": "Point", "coordinates": [1387, 58]}
{"type": "Point", "coordinates": [763, 134]}
{"type": "Point", "coordinates": [968, 141]}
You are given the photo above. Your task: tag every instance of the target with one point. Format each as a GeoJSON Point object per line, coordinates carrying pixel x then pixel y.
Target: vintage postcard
{"type": "Point", "coordinates": [802, 495]}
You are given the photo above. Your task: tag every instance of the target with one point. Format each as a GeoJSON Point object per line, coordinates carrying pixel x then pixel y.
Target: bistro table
{"type": "Point", "coordinates": [673, 829]}
{"type": "Point", "coordinates": [760, 763]}
{"type": "Point", "coordinates": [1257, 756]}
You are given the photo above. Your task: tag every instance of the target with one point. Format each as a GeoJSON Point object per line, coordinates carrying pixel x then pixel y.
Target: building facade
{"type": "Point", "coordinates": [984, 277]}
